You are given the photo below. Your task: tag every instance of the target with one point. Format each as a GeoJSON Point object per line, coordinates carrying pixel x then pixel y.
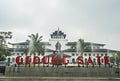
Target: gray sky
{"type": "Point", "coordinates": [93, 20]}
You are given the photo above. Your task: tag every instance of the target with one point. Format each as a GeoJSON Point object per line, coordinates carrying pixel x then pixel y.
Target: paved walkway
{"type": "Point", "coordinates": [60, 78]}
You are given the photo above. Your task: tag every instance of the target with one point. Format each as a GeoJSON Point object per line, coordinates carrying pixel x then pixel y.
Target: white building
{"type": "Point", "coordinates": [58, 43]}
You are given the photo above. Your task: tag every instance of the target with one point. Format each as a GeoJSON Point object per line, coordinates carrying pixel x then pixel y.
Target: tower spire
{"type": "Point", "coordinates": [58, 28]}
{"type": "Point", "coordinates": [58, 31]}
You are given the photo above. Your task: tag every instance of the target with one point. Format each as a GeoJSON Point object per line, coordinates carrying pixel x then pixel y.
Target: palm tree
{"type": "Point", "coordinates": [81, 46]}
{"type": "Point", "coordinates": [115, 58]}
{"type": "Point", "coordinates": [35, 44]}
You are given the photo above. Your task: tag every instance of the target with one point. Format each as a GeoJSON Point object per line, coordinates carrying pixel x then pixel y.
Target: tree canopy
{"type": "Point", "coordinates": [4, 52]}
{"type": "Point", "coordinates": [35, 44]}
{"type": "Point", "coordinates": [115, 58]}
{"type": "Point", "coordinates": [81, 45]}
{"type": "Point", "coordinates": [3, 46]}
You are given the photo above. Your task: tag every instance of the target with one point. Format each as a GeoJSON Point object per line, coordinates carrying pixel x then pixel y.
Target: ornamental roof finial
{"type": "Point", "coordinates": [58, 28]}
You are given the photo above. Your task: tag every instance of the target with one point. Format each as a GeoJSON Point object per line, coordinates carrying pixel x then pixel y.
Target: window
{"type": "Point", "coordinates": [21, 59]}
{"type": "Point", "coordinates": [8, 60]}
{"type": "Point", "coordinates": [25, 46]}
{"type": "Point", "coordinates": [97, 54]}
{"type": "Point", "coordinates": [102, 61]}
{"type": "Point", "coordinates": [93, 54]}
{"type": "Point", "coordinates": [17, 46]}
{"type": "Point", "coordinates": [22, 53]}
{"type": "Point", "coordinates": [73, 60]}
{"type": "Point", "coordinates": [98, 47]}
{"type": "Point", "coordinates": [85, 60]}
{"type": "Point", "coordinates": [94, 61]}
{"type": "Point", "coordinates": [13, 53]}
{"type": "Point", "coordinates": [101, 54]}
{"type": "Point", "coordinates": [85, 54]}
{"type": "Point", "coordinates": [17, 53]}
{"type": "Point", "coordinates": [39, 54]}
{"type": "Point", "coordinates": [89, 54]}
{"type": "Point", "coordinates": [106, 54]}
{"type": "Point", "coordinates": [35, 54]}
{"type": "Point", "coordinates": [21, 46]}
{"type": "Point", "coordinates": [77, 54]}
{"type": "Point", "coordinates": [73, 54]}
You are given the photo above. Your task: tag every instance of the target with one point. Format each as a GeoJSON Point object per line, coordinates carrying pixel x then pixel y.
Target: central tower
{"type": "Point", "coordinates": [58, 40]}
{"type": "Point", "coordinates": [58, 35]}
{"type": "Point", "coordinates": [58, 43]}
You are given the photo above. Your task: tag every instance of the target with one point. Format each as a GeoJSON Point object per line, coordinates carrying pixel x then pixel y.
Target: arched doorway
{"type": "Point", "coordinates": [85, 60]}
{"type": "Point", "coordinates": [73, 61]}
{"type": "Point", "coordinates": [94, 61]}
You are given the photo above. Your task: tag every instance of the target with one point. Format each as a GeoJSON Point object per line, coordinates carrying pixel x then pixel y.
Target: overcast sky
{"type": "Point", "coordinates": [93, 20]}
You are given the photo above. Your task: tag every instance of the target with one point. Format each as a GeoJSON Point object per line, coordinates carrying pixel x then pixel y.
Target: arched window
{"type": "Point", "coordinates": [8, 60]}
{"type": "Point", "coordinates": [85, 60]}
{"type": "Point", "coordinates": [73, 60]}
{"type": "Point", "coordinates": [73, 54]}
{"type": "Point", "coordinates": [102, 60]}
{"type": "Point", "coordinates": [21, 59]}
{"type": "Point", "coordinates": [22, 54]}
{"type": "Point", "coordinates": [106, 54]}
{"type": "Point", "coordinates": [85, 54]}
{"type": "Point", "coordinates": [18, 54]}
{"type": "Point", "coordinates": [94, 61]}
{"type": "Point", "coordinates": [101, 54]}
{"type": "Point", "coordinates": [89, 54]}
{"type": "Point", "coordinates": [97, 54]}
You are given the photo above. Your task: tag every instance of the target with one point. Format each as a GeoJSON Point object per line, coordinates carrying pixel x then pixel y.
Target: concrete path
{"type": "Point", "coordinates": [61, 78]}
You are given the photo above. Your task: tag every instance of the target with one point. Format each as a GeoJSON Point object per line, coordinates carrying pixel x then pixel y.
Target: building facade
{"type": "Point", "coordinates": [59, 44]}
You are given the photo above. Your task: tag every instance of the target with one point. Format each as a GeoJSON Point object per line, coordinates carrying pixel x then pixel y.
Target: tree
{"type": "Point", "coordinates": [115, 58]}
{"type": "Point", "coordinates": [35, 45]}
{"type": "Point", "coordinates": [112, 59]}
{"type": "Point", "coordinates": [81, 46]}
{"type": "Point", "coordinates": [4, 36]}
{"type": "Point", "coordinates": [4, 52]}
{"type": "Point", "coordinates": [26, 50]}
{"type": "Point", "coordinates": [118, 57]}
{"type": "Point", "coordinates": [3, 47]}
